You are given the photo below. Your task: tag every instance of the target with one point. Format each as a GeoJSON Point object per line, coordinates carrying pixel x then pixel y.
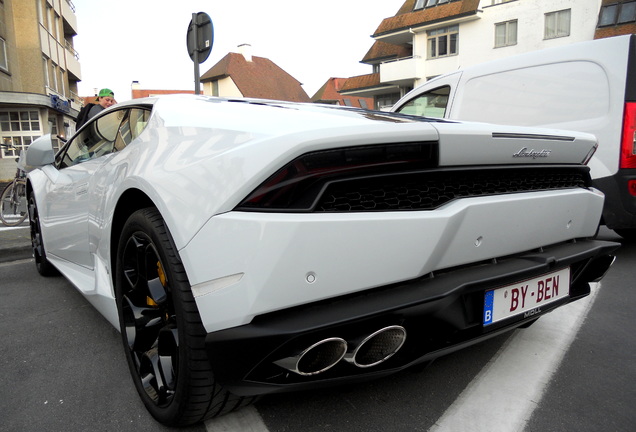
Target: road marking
{"type": "Point", "coordinates": [504, 394]}
{"type": "Point", "coordinates": [243, 420]}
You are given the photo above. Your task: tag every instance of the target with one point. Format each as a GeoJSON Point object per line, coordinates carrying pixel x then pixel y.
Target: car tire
{"type": "Point", "coordinates": [161, 328]}
{"type": "Point", "coordinates": [43, 265]}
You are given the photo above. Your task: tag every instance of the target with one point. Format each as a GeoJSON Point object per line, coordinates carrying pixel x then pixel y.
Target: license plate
{"type": "Point", "coordinates": [527, 297]}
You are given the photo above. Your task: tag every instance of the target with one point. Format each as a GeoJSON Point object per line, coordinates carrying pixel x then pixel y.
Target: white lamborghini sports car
{"type": "Point", "coordinates": [244, 247]}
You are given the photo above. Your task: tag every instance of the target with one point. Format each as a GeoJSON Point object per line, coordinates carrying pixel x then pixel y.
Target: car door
{"type": "Point", "coordinates": [69, 195]}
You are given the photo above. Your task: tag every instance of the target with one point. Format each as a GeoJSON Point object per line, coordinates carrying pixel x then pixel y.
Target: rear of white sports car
{"type": "Point", "coordinates": [246, 247]}
{"type": "Point", "coordinates": [370, 250]}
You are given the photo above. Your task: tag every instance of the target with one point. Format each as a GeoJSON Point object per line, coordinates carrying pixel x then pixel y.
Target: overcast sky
{"type": "Point", "coordinates": [120, 41]}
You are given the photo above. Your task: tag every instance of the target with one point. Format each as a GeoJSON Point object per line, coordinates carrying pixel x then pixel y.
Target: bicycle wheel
{"type": "Point", "coordinates": [13, 204]}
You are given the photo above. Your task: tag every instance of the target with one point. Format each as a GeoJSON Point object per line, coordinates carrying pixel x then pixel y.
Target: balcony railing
{"type": "Point", "coordinates": [399, 71]}
{"type": "Point", "coordinates": [70, 48]}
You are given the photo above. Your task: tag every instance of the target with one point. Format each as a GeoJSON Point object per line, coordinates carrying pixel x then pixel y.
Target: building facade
{"type": "Point", "coordinates": [39, 72]}
{"type": "Point", "coordinates": [427, 38]}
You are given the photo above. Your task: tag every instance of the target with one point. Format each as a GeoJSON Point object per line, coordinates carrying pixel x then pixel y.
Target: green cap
{"type": "Point", "coordinates": [106, 93]}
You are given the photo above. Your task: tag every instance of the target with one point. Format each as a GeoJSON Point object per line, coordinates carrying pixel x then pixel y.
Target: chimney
{"type": "Point", "coordinates": [246, 50]}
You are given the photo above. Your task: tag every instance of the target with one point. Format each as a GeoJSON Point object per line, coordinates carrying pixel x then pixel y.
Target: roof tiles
{"type": "Point", "coordinates": [260, 78]}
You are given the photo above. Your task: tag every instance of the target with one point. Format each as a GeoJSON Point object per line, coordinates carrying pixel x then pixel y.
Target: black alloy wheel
{"type": "Point", "coordinates": [161, 328]}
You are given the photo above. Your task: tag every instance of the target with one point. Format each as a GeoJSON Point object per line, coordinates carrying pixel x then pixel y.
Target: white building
{"type": "Point", "coordinates": [429, 37]}
{"type": "Point", "coordinates": [39, 72]}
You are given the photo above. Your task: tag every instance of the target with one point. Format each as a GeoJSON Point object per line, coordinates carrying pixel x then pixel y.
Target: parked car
{"type": "Point", "coordinates": [586, 86]}
{"type": "Point", "coordinates": [244, 247]}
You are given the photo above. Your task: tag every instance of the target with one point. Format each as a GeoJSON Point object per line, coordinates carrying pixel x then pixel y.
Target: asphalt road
{"type": "Point", "coordinates": [63, 369]}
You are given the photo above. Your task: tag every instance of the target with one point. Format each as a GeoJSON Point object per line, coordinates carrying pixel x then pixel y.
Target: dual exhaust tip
{"type": "Point", "coordinates": [363, 353]}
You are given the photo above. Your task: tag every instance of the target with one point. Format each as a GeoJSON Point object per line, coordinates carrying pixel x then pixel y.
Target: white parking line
{"type": "Point", "coordinates": [243, 420]}
{"type": "Point", "coordinates": [505, 393]}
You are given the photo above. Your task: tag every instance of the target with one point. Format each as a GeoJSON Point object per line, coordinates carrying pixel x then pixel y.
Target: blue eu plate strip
{"type": "Point", "coordinates": [489, 301]}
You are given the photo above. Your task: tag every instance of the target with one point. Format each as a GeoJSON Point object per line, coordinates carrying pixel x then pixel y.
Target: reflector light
{"type": "Point", "coordinates": [631, 187]}
{"type": "Point", "coordinates": [628, 143]}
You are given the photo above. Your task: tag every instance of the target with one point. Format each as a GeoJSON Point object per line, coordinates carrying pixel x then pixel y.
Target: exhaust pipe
{"type": "Point", "coordinates": [316, 359]}
{"type": "Point", "coordinates": [377, 347]}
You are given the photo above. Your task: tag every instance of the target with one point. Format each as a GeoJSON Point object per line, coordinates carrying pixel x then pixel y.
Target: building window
{"type": "Point", "coordinates": [46, 72]}
{"type": "Point", "coordinates": [53, 128]}
{"type": "Point", "coordinates": [386, 101]}
{"type": "Point", "coordinates": [18, 144]}
{"type": "Point", "coordinates": [443, 42]}
{"type": "Point", "coordinates": [506, 34]}
{"type": "Point", "coordinates": [53, 76]}
{"type": "Point", "coordinates": [608, 15]}
{"type": "Point", "coordinates": [363, 103]}
{"type": "Point", "coordinates": [19, 128]}
{"type": "Point", "coordinates": [627, 13]}
{"type": "Point", "coordinates": [19, 121]}
{"type": "Point", "coordinates": [49, 12]}
{"type": "Point", "coordinates": [56, 25]}
{"type": "Point", "coordinates": [557, 24]}
{"type": "Point", "coordinates": [618, 13]}
{"type": "Point", "coordinates": [421, 4]}
{"type": "Point", "coordinates": [62, 87]}
{"type": "Point", "coordinates": [40, 14]}
{"type": "Point", "coordinates": [4, 64]}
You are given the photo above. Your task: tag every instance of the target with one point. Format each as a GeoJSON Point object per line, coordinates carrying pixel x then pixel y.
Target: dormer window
{"type": "Point", "coordinates": [421, 4]}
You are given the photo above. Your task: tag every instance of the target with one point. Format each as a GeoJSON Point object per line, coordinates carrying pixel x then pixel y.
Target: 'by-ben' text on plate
{"type": "Point", "coordinates": [526, 297]}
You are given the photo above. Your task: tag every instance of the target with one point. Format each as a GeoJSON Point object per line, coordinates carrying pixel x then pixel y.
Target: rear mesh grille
{"type": "Point", "coordinates": [430, 190]}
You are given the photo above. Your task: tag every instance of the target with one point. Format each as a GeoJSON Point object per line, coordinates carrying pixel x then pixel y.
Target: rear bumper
{"type": "Point", "coordinates": [441, 313]}
{"type": "Point", "coordinates": [619, 211]}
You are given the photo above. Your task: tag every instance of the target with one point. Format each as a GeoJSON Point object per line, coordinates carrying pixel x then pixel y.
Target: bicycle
{"type": "Point", "coordinates": [13, 202]}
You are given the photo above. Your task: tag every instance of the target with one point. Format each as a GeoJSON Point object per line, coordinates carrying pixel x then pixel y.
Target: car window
{"type": "Point", "coordinates": [430, 104]}
{"type": "Point", "coordinates": [96, 139]}
{"type": "Point", "coordinates": [134, 123]}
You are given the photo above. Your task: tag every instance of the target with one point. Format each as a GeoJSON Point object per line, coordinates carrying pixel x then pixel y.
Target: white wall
{"type": "Point", "coordinates": [477, 37]}
{"type": "Point", "coordinates": [227, 88]}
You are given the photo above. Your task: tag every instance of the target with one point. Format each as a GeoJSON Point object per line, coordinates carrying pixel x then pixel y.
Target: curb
{"type": "Point", "coordinates": [8, 255]}
{"type": "Point", "coordinates": [15, 244]}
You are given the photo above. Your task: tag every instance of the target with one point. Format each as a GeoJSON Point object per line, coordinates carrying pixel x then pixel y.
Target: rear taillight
{"type": "Point", "coordinates": [628, 143]}
{"type": "Point", "coordinates": [296, 186]}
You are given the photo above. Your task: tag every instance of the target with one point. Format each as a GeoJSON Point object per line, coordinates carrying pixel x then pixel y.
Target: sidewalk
{"type": "Point", "coordinates": [15, 243]}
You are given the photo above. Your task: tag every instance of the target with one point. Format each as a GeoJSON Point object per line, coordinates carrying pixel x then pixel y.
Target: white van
{"type": "Point", "coordinates": [587, 86]}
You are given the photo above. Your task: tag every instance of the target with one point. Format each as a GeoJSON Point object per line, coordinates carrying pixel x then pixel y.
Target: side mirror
{"type": "Point", "coordinates": [40, 152]}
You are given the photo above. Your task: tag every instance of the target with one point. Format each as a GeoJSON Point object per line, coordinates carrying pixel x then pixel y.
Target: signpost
{"type": "Point", "coordinates": [199, 39]}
